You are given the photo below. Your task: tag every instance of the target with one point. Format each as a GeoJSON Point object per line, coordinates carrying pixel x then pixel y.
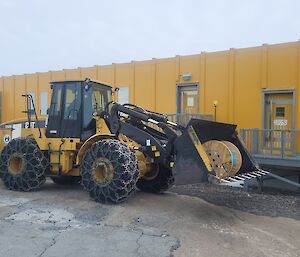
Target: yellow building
{"type": "Point", "coordinates": [251, 87]}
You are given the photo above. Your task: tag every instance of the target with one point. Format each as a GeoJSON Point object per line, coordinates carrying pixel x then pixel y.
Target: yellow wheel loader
{"type": "Point", "coordinates": [114, 149]}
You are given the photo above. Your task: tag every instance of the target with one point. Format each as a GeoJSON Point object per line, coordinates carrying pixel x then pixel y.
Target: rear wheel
{"type": "Point", "coordinates": [23, 165]}
{"type": "Point", "coordinates": [109, 171]}
{"type": "Point", "coordinates": [158, 181]}
{"type": "Point", "coordinates": [66, 180]}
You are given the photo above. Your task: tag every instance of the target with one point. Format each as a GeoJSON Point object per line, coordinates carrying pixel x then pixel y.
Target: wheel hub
{"type": "Point", "coordinates": [153, 170]}
{"type": "Point", "coordinates": [16, 164]}
{"type": "Point", "coordinates": [103, 171]}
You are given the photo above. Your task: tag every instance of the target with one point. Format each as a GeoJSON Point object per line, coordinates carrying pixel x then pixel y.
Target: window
{"type": "Point", "coordinates": [280, 111]}
{"type": "Point", "coordinates": [98, 101]}
{"type": "Point", "coordinates": [100, 97]}
{"type": "Point", "coordinates": [43, 103]}
{"type": "Point", "coordinates": [72, 101]}
{"type": "Point", "coordinates": [123, 95]}
{"type": "Point", "coordinates": [31, 109]}
{"type": "Point", "coordinates": [55, 107]}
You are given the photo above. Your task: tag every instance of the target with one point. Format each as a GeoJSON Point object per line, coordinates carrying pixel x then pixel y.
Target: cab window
{"type": "Point", "coordinates": [55, 106]}
{"type": "Point", "coordinates": [72, 101]}
{"type": "Point", "coordinates": [100, 98]}
{"type": "Point", "coordinates": [96, 98]}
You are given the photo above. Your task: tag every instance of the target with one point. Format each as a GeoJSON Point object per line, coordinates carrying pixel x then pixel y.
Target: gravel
{"type": "Point", "coordinates": [268, 203]}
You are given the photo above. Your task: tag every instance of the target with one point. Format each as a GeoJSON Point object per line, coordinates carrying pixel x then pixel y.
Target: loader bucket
{"type": "Point", "coordinates": [193, 163]}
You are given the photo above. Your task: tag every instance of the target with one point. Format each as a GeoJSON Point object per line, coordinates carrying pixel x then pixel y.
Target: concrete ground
{"type": "Point", "coordinates": [63, 221]}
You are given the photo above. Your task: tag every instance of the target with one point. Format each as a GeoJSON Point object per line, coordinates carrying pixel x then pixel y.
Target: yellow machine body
{"type": "Point", "coordinates": [68, 152]}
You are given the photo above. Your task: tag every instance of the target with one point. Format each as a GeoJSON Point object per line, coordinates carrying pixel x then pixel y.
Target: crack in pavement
{"type": "Point", "coordinates": [51, 245]}
{"type": "Point", "coordinates": [144, 232]}
{"type": "Point", "coordinates": [172, 248]}
{"type": "Point", "coordinates": [138, 244]}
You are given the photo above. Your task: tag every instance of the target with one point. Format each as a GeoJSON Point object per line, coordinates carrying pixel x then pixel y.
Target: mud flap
{"type": "Point", "coordinates": [192, 164]}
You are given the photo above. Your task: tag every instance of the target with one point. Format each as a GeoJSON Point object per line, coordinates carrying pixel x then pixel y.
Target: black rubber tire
{"type": "Point", "coordinates": [124, 175]}
{"type": "Point", "coordinates": [162, 182]}
{"type": "Point", "coordinates": [31, 174]}
{"type": "Point", "coordinates": [66, 180]}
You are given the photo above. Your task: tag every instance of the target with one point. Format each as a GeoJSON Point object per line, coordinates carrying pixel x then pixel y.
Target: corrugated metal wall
{"type": "Point", "coordinates": [235, 78]}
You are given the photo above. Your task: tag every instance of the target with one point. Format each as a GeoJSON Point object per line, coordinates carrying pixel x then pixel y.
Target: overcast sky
{"type": "Point", "coordinates": [42, 35]}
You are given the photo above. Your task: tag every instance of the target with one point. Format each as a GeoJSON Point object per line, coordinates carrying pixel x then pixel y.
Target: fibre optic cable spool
{"type": "Point", "coordinates": [225, 158]}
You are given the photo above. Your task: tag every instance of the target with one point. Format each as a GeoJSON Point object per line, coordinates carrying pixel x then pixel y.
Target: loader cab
{"type": "Point", "coordinates": [72, 106]}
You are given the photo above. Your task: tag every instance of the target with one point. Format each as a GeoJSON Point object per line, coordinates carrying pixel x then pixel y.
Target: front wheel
{"type": "Point", "coordinates": [109, 171]}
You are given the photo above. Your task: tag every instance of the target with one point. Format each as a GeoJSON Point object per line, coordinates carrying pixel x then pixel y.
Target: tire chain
{"type": "Point", "coordinates": [168, 181]}
{"type": "Point", "coordinates": [125, 175]}
{"type": "Point", "coordinates": [32, 176]}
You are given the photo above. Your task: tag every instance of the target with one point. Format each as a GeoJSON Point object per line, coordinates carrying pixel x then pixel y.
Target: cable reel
{"type": "Point", "coordinates": [225, 158]}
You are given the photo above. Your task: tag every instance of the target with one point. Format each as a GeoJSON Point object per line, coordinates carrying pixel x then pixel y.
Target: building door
{"type": "Point", "coordinates": [279, 121]}
{"type": "Point", "coordinates": [187, 102]}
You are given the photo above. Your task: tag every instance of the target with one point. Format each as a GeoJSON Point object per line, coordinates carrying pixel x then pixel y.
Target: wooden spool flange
{"type": "Point", "coordinates": [225, 158]}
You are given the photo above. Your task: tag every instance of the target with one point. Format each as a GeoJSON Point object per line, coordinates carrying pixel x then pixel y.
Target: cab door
{"type": "Point", "coordinates": [71, 124]}
{"type": "Point", "coordinates": [65, 113]}
{"type": "Point", "coordinates": [55, 111]}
